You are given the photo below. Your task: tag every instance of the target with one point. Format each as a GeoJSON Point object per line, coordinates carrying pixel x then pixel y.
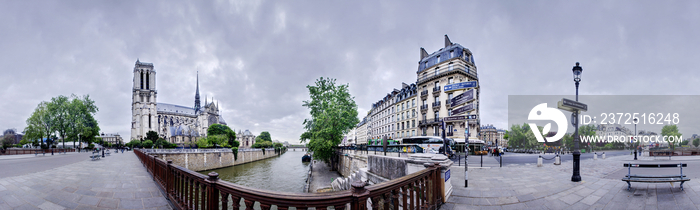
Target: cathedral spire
{"type": "Point", "coordinates": [197, 104]}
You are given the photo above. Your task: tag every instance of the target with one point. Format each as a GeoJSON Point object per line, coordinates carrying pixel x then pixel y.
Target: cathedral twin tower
{"type": "Point", "coordinates": [178, 124]}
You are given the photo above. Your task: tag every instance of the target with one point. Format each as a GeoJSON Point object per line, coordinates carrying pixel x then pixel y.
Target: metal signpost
{"type": "Point", "coordinates": [463, 109]}
{"type": "Point", "coordinates": [461, 85]}
{"type": "Point", "coordinates": [466, 157]}
{"type": "Point", "coordinates": [467, 96]}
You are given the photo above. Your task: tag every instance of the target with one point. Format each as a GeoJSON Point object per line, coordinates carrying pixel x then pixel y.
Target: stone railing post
{"type": "Point", "coordinates": [359, 196]}
{"type": "Point", "coordinates": [212, 191]}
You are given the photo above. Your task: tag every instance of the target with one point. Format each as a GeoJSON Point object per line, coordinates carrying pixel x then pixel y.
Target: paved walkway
{"type": "Point", "coordinates": [118, 181]}
{"type": "Point", "coordinates": [549, 187]}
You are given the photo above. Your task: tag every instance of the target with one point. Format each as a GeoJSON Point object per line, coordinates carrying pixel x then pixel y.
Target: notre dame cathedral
{"type": "Point", "coordinates": [178, 124]}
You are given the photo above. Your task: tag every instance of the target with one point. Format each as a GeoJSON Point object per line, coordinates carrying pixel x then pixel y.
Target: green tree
{"type": "Point", "coordinates": [219, 129]}
{"type": "Point", "coordinates": [58, 109]}
{"type": "Point", "coordinates": [38, 124]}
{"type": "Point", "coordinates": [672, 130]}
{"type": "Point", "coordinates": [82, 124]}
{"type": "Point", "coordinates": [134, 143]}
{"type": "Point", "coordinates": [147, 144]}
{"type": "Point", "coordinates": [203, 143]}
{"type": "Point", "coordinates": [264, 136]}
{"type": "Point", "coordinates": [151, 135]}
{"type": "Point", "coordinates": [6, 141]}
{"type": "Point", "coordinates": [161, 142]}
{"type": "Point", "coordinates": [333, 113]}
{"type": "Point", "coordinates": [696, 142]}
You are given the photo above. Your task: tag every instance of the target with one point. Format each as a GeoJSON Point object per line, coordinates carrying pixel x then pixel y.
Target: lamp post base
{"type": "Point", "coordinates": [576, 177]}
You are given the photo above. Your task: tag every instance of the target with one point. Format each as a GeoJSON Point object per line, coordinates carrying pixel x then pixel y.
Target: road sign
{"type": "Point", "coordinates": [461, 85]}
{"type": "Point", "coordinates": [463, 109]}
{"type": "Point", "coordinates": [454, 118]}
{"type": "Point", "coordinates": [467, 96]}
{"type": "Point", "coordinates": [571, 105]}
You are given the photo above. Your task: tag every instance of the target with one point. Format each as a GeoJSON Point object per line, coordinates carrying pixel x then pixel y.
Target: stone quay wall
{"type": "Point", "coordinates": [207, 159]}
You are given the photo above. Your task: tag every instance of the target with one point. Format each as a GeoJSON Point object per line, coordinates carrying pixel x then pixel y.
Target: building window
{"type": "Point", "coordinates": [436, 71]}
{"type": "Point", "coordinates": [425, 117]}
{"type": "Point", "coordinates": [437, 115]}
{"type": "Point", "coordinates": [452, 53]}
{"type": "Point", "coordinates": [425, 102]}
{"type": "Point", "coordinates": [148, 84]}
{"type": "Point", "coordinates": [437, 84]}
{"type": "Point", "coordinates": [450, 80]}
{"type": "Point", "coordinates": [450, 67]}
{"type": "Point", "coordinates": [449, 96]}
{"type": "Point", "coordinates": [149, 120]}
{"type": "Point", "coordinates": [414, 113]}
{"type": "Point", "coordinates": [141, 80]}
{"type": "Point", "coordinates": [437, 98]}
{"type": "Point", "coordinates": [413, 102]}
{"type": "Point", "coordinates": [438, 58]}
{"type": "Point", "coordinates": [449, 112]}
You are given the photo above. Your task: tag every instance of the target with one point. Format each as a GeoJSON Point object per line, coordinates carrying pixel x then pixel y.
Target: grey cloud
{"type": "Point", "coordinates": [256, 57]}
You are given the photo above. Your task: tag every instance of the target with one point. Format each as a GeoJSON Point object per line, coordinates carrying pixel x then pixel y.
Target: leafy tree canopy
{"type": "Point", "coordinates": [264, 136]}
{"type": "Point", "coordinates": [333, 113]}
{"type": "Point", "coordinates": [152, 135]}
{"type": "Point", "coordinates": [671, 130]}
{"type": "Point", "coordinates": [227, 132]}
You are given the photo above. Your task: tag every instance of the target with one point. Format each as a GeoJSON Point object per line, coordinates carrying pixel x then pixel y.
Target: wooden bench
{"type": "Point", "coordinates": [654, 178]}
{"type": "Point", "coordinates": [95, 156]}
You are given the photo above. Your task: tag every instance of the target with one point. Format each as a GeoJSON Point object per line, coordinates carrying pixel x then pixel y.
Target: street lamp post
{"type": "Point", "coordinates": [576, 177]}
{"type": "Point", "coordinates": [635, 138]}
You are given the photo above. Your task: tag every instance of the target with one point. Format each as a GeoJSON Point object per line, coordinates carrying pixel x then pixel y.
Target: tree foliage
{"type": "Point", "coordinates": [696, 142]}
{"type": "Point", "coordinates": [333, 113]}
{"type": "Point", "coordinates": [147, 144]}
{"type": "Point", "coordinates": [264, 136]}
{"type": "Point", "coordinates": [69, 117]}
{"type": "Point", "coordinates": [151, 135]}
{"type": "Point", "coordinates": [226, 132]}
{"type": "Point", "coordinates": [672, 130]}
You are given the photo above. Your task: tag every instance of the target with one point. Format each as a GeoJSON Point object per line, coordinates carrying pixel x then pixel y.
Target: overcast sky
{"type": "Point", "coordinates": [256, 57]}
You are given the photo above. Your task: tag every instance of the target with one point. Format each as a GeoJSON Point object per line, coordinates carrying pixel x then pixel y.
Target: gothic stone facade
{"type": "Point", "coordinates": [178, 124]}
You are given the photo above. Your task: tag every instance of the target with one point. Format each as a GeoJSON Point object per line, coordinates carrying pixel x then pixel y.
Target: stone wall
{"type": "Point", "coordinates": [200, 161]}
{"type": "Point", "coordinates": [350, 163]}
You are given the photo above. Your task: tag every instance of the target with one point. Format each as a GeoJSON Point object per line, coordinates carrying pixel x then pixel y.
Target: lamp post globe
{"type": "Point", "coordinates": [576, 177]}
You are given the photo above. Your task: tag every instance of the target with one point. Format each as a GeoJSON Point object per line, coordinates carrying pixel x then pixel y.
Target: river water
{"type": "Point", "coordinates": [285, 173]}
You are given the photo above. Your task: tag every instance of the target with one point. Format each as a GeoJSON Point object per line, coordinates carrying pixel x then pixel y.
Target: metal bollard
{"type": "Point", "coordinates": [557, 160]}
{"type": "Point", "coordinates": [595, 156]}
{"type": "Point", "coordinates": [603, 155]}
{"type": "Point", "coordinates": [539, 161]}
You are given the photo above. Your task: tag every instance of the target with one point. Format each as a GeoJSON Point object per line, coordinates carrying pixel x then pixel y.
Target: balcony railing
{"type": "Point", "coordinates": [188, 189]}
{"type": "Point", "coordinates": [423, 107]}
{"type": "Point", "coordinates": [424, 93]}
{"type": "Point", "coordinates": [449, 134]}
{"type": "Point", "coordinates": [471, 72]}
{"type": "Point", "coordinates": [436, 89]}
{"type": "Point", "coordinates": [436, 104]}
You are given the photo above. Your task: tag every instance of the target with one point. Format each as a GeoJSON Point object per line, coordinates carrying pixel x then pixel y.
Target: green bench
{"type": "Point", "coordinates": [654, 178]}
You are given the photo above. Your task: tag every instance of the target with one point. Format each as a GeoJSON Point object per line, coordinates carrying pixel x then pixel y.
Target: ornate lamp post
{"type": "Point", "coordinates": [576, 177]}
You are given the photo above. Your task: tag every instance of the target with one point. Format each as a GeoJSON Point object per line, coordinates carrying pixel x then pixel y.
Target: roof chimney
{"type": "Point", "coordinates": [447, 41]}
{"type": "Point", "coordinates": [423, 53]}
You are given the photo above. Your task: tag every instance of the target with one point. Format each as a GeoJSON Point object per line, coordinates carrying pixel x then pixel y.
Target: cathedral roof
{"type": "Point", "coordinates": [172, 108]}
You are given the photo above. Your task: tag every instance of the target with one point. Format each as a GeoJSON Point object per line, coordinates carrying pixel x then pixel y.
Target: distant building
{"type": "Point", "coordinates": [178, 124]}
{"type": "Point", "coordinates": [442, 76]}
{"type": "Point", "coordinates": [489, 134]}
{"type": "Point", "coordinates": [17, 137]}
{"type": "Point", "coordinates": [111, 138]}
{"type": "Point", "coordinates": [245, 138]}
